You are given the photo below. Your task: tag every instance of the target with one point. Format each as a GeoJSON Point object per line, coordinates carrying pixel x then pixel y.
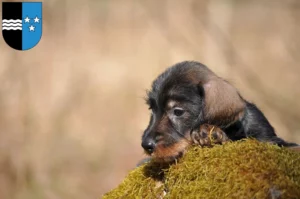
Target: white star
{"type": "Point", "coordinates": [31, 28]}
{"type": "Point", "coordinates": [27, 20]}
{"type": "Point", "coordinates": [36, 20]}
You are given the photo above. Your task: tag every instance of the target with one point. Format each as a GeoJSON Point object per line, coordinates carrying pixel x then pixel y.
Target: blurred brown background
{"type": "Point", "coordinates": [72, 111]}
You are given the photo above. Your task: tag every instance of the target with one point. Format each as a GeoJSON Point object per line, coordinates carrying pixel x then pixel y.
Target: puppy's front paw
{"type": "Point", "coordinates": [207, 135]}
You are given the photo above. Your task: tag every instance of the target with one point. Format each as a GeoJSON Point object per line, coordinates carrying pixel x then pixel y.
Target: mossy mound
{"type": "Point", "coordinates": [242, 169]}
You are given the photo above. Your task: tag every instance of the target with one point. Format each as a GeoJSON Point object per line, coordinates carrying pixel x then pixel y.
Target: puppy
{"type": "Point", "coordinates": [189, 99]}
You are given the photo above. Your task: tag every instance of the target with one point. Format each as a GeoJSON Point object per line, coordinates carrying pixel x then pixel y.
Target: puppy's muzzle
{"type": "Point", "coordinates": [148, 145]}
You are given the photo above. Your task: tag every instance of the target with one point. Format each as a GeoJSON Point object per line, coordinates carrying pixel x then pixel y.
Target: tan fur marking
{"type": "Point", "coordinates": [221, 99]}
{"type": "Point", "coordinates": [171, 104]}
{"type": "Point", "coordinates": [165, 153]}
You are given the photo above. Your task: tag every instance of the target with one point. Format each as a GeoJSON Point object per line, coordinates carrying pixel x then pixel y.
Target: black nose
{"type": "Point", "coordinates": [148, 145]}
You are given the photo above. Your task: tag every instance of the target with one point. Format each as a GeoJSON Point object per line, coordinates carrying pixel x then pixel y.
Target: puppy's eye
{"type": "Point", "coordinates": [178, 112]}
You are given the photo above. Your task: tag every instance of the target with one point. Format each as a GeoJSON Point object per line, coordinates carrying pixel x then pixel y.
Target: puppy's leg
{"type": "Point", "coordinates": [208, 135]}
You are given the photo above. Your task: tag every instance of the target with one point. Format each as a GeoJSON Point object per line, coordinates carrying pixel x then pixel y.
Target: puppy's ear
{"type": "Point", "coordinates": [222, 102]}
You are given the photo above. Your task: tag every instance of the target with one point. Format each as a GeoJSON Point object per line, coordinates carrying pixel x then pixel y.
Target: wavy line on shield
{"type": "Point", "coordinates": [11, 24]}
{"type": "Point", "coordinates": [12, 20]}
{"type": "Point", "coordinates": [11, 28]}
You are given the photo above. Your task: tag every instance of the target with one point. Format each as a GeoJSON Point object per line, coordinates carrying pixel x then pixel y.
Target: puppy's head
{"type": "Point", "coordinates": [181, 99]}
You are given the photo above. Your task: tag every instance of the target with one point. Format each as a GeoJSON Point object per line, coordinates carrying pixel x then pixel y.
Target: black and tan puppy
{"type": "Point", "coordinates": [186, 100]}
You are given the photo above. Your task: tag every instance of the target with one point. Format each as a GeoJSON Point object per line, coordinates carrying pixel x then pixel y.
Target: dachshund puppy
{"type": "Point", "coordinates": [187, 101]}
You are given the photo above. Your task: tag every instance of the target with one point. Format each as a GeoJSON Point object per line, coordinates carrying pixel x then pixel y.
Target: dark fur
{"type": "Point", "coordinates": [205, 98]}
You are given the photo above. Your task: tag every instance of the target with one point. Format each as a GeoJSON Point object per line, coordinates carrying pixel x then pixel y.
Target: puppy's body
{"type": "Point", "coordinates": [188, 95]}
{"type": "Point", "coordinates": [253, 123]}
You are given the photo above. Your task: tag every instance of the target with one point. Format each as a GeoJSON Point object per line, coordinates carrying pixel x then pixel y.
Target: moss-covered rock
{"type": "Point", "coordinates": [242, 169]}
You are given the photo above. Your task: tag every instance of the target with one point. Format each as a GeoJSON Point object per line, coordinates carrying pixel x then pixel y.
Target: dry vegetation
{"type": "Point", "coordinates": [72, 110]}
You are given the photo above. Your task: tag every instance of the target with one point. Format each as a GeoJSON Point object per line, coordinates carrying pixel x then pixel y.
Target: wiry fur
{"type": "Point", "coordinates": [205, 98]}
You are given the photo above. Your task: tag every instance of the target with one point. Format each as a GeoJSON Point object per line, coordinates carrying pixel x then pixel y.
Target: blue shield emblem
{"type": "Point", "coordinates": [22, 24]}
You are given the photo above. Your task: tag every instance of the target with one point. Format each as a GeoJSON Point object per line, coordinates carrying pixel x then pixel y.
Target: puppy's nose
{"type": "Point", "coordinates": [148, 145]}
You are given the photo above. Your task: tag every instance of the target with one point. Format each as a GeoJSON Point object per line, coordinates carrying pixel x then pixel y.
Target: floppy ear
{"type": "Point", "coordinates": [222, 102]}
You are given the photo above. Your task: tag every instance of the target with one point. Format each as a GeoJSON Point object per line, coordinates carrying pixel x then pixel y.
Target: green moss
{"type": "Point", "coordinates": [243, 169]}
